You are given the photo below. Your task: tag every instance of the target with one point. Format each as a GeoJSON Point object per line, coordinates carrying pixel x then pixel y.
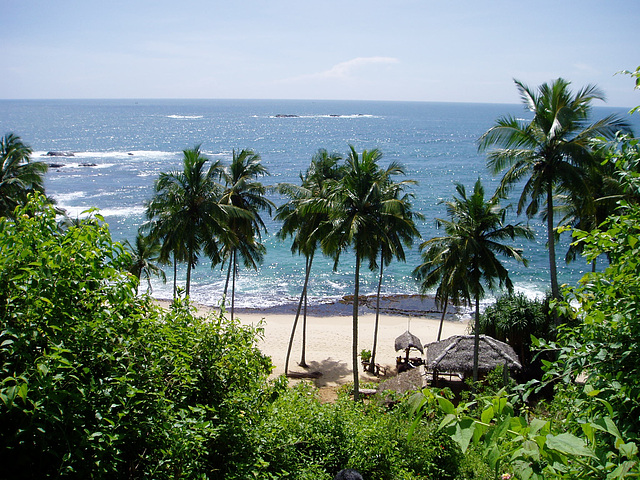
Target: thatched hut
{"type": "Point", "coordinates": [454, 355]}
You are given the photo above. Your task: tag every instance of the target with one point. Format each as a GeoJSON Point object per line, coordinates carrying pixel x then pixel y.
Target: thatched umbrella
{"type": "Point", "coordinates": [455, 355]}
{"type": "Point", "coordinates": [407, 341]}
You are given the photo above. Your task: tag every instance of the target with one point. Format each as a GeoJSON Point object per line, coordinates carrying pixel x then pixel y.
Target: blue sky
{"type": "Point", "coordinates": [422, 50]}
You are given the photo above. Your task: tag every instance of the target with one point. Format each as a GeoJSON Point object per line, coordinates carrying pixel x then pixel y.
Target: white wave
{"type": "Point", "coordinates": [130, 154]}
{"type": "Point", "coordinates": [185, 117]}
{"type": "Point", "coordinates": [78, 211]}
{"type": "Point", "coordinates": [66, 197]}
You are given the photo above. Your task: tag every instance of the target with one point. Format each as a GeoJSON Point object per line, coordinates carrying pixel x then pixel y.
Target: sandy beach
{"type": "Point", "coordinates": [329, 340]}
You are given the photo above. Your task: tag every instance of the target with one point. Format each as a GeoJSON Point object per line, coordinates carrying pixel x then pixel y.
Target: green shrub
{"type": "Point", "coordinates": [299, 432]}
{"type": "Point", "coordinates": [513, 319]}
{"type": "Point", "coordinates": [98, 383]}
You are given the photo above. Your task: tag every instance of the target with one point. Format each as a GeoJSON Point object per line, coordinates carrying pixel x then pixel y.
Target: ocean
{"type": "Point", "coordinates": [119, 147]}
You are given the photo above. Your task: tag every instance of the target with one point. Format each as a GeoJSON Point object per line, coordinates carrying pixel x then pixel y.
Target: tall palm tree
{"type": "Point", "coordinates": [243, 192]}
{"type": "Point", "coordinates": [549, 152]}
{"type": "Point", "coordinates": [397, 231]}
{"type": "Point", "coordinates": [305, 225]}
{"type": "Point", "coordinates": [144, 253]}
{"type": "Point", "coordinates": [441, 266]}
{"type": "Point", "coordinates": [466, 258]}
{"type": "Point", "coordinates": [354, 206]}
{"type": "Point", "coordinates": [18, 174]}
{"type": "Point", "coordinates": [185, 213]}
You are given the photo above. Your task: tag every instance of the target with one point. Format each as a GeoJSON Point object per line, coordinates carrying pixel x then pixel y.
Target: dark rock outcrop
{"type": "Point", "coordinates": [59, 154]}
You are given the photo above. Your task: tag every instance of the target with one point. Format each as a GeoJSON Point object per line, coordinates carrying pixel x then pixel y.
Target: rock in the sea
{"type": "Point", "coordinates": [55, 165]}
{"type": "Point", "coordinates": [88, 164]}
{"type": "Point", "coordinates": [59, 154]}
{"type": "Point", "coordinates": [286, 115]}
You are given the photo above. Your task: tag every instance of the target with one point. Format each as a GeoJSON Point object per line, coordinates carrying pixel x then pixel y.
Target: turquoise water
{"type": "Point", "coordinates": [128, 143]}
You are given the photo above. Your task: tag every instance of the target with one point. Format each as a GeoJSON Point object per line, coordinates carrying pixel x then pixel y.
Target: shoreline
{"type": "Point", "coordinates": [329, 339]}
{"type": "Point", "coordinates": [402, 304]}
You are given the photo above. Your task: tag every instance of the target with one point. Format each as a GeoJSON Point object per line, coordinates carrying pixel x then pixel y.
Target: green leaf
{"type": "Point", "coordinates": [539, 426]}
{"type": "Point", "coordinates": [606, 425]}
{"type": "Point", "coordinates": [629, 450]}
{"type": "Point", "coordinates": [462, 432]}
{"type": "Point", "coordinates": [569, 444]}
{"type": "Point", "coordinates": [487, 414]}
{"type": "Point", "coordinates": [446, 406]}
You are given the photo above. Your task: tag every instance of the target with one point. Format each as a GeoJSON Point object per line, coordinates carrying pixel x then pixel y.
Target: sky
{"type": "Point", "coordinates": [393, 50]}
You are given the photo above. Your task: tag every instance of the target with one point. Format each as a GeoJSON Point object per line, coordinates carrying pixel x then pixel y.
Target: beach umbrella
{"type": "Point", "coordinates": [407, 341]}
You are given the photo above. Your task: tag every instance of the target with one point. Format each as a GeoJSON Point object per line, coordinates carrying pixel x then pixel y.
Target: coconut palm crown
{"type": "Point", "coordinates": [466, 258]}
{"type": "Point", "coordinates": [19, 175]}
{"type": "Point", "coordinates": [548, 153]}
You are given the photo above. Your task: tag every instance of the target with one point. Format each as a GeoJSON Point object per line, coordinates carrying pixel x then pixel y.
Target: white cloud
{"type": "Point", "coordinates": [348, 69]}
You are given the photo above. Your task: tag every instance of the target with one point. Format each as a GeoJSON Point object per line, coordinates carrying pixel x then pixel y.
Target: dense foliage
{"type": "Point", "coordinates": [305, 439]}
{"type": "Point", "coordinates": [605, 347]}
{"type": "Point", "coordinates": [98, 383]}
{"type": "Point", "coordinates": [513, 319]}
{"type": "Point", "coordinates": [591, 429]}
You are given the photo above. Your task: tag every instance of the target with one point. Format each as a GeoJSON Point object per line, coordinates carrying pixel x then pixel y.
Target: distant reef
{"type": "Point", "coordinates": [58, 154]}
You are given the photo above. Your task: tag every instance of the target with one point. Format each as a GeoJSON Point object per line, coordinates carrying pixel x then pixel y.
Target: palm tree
{"type": "Point", "coordinates": [305, 226]}
{"type": "Point", "coordinates": [441, 266]}
{"type": "Point", "coordinates": [354, 206]}
{"type": "Point", "coordinates": [397, 231]}
{"type": "Point", "coordinates": [144, 252]}
{"type": "Point", "coordinates": [549, 152]}
{"type": "Point", "coordinates": [244, 193]}
{"type": "Point", "coordinates": [18, 174]}
{"type": "Point", "coordinates": [185, 214]}
{"type": "Point", "coordinates": [466, 257]}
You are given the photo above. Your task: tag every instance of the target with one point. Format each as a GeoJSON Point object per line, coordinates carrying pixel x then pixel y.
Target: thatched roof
{"type": "Point", "coordinates": [455, 354]}
{"type": "Point", "coordinates": [408, 340]}
{"type": "Point", "coordinates": [404, 382]}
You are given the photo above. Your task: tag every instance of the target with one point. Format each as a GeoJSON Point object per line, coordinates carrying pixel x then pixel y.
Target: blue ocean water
{"type": "Point", "coordinates": [128, 143]}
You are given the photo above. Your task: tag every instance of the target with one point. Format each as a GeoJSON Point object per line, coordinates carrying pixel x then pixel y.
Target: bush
{"type": "Point", "coordinates": [97, 382]}
{"type": "Point", "coordinates": [299, 432]}
{"type": "Point", "coordinates": [513, 318]}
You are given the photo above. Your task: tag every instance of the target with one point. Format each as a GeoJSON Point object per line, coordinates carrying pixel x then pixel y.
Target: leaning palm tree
{"type": "Point", "coordinates": [243, 192]}
{"type": "Point", "coordinates": [18, 174]}
{"type": "Point", "coordinates": [184, 212]}
{"type": "Point", "coordinates": [354, 206]}
{"type": "Point", "coordinates": [548, 153]}
{"type": "Point", "coordinates": [466, 256]}
{"type": "Point", "coordinates": [398, 230]}
{"type": "Point", "coordinates": [305, 225]}
{"type": "Point", "coordinates": [144, 253]}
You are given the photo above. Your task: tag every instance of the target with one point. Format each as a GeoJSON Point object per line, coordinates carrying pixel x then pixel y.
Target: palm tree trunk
{"type": "Point", "coordinates": [226, 284]}
{"type": "Point", "coordinates": [303, 360]}
{"type": "Point", "coordinates": [189, 263]}
{"type": "Point", "coordinates": [233, 283]}
{"type": "Point", "coordinates": [372, 362]}
{"type": "Point", "coordinates": [555, 291]}
{"type": "Point", "coordinates": [295, 322]}
{"type": "Point", "coordinates": [476, 341]}
{"type": "Point", "coordinates": [354, 348]}
{"type": "Point", "coordinates": [175, 276]}
{"type": "Point", "coordinates": [444, 312]}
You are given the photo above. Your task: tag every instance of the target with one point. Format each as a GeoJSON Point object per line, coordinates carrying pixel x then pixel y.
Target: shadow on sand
{"type": "Point", "coordinates": [323, 373]}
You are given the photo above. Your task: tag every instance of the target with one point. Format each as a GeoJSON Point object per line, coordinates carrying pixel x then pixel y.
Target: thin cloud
{"type": "Point", "coordinates": [348, 69]}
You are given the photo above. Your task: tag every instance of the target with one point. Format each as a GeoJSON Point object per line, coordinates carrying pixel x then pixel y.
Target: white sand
{"type": "Point", "coordinates": [329, 341]}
